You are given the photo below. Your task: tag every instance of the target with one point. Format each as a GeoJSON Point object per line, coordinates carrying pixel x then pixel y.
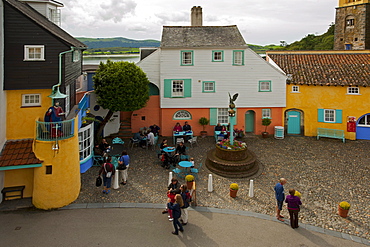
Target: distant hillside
{"type": "Point", "coordinates": [93, 43]}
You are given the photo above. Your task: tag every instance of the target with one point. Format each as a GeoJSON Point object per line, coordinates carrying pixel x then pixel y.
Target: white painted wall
{"type": "Point", "coordinates": [242, 79]}
{"type": "Point", "coordinates": [2, 95]}
{"type": "Point", "coordinates": [151, 66]}
{"type": "Point", "coordinates": [112, 126]}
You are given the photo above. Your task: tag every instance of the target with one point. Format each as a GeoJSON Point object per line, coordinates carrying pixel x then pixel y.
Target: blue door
{"type": "Point", "coordinates": [249, 121]}
{"type": "Point", "coordinates": [294, 123]}
{"type": "Point", "coordinates": [363, 128]}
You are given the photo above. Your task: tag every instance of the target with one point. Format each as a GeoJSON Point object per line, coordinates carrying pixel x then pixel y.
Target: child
{"type": "Point", "coordinates": [171, 194]}
{"type": "Point", "coordinates": [192, 161]}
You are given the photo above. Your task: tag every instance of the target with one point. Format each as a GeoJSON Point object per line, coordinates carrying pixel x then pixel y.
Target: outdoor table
{"type": "Point", "coordinates": [169, 149]}
{"type": "Point", "coordinates": [182, 134]}
{"type": "Point", "coordinates": [186, 165]}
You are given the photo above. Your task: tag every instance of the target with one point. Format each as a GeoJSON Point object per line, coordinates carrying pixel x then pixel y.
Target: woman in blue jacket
{"type": "Point", "coordinates": [176, 213]}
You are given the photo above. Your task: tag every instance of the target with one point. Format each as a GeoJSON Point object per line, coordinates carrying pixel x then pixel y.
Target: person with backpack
{"type": "Point", "coordinates": [108, 171]}
{"type": "Point", "coordinates": [186, 198]}
{"type": "Point", "coordinates": [123, 164]}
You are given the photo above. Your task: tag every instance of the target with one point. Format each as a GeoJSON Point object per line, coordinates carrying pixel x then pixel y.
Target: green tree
{"type": "Point", "coordinates": [120, 86]}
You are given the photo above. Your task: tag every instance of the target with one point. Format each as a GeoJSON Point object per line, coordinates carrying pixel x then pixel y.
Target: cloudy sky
{"type": "Point", "coordinates": [261, 22]}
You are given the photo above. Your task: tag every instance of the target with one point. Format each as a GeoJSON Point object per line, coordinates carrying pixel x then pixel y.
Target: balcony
{"type": "Point", "coordinates": [50, 131]}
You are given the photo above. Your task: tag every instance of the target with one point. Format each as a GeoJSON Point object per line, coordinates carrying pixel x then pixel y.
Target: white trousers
{"type": "Point", "coordinates": [184, 215]}
{"type": "Point", "coordinates": [123, 174]}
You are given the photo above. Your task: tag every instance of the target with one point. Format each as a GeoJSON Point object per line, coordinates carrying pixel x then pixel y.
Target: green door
{"type": "Point", "coordinates": [294, 123]}
{"type": "Point", "coordinates": [249, 121]}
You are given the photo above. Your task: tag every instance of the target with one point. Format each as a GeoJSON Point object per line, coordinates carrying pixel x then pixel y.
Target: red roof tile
{"type": "Point", "coordinates": [18, 152]}
{"type": "Point", "coordinates": [330, 69]}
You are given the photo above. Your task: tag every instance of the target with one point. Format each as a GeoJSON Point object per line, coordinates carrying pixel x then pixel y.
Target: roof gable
{"type": "Point", "coordinates": [202, 36]}
{"type": "Point", "coordinates": [42, 21]}
{"type": "Point", "coordinates": [330, 69]}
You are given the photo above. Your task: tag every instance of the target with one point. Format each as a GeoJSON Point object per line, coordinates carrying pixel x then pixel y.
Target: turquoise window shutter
{"type": "Point", "coordinates": [338, 116]}
{"type": "Point", "coordinates": [187, 87]}
{"type": "Point", "coordinates": [320, 115]}
{"type": "Point", "coordinates": [167, 88]}
{"type": "Point", "coordinates": [213, 116]}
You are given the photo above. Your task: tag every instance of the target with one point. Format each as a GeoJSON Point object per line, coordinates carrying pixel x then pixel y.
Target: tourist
{"type": "Point", "coordinates": [186, 198]}
{"type": "Point", "coordinates": [218, 127]}
{"type": "Point", "coordinates": [176, 213]}
{"type": "Point", "coordinates": [150, 138]}
{"type": "Point", "coordinates": [293, 208]}
{"type": "Point", "coordinates": [180, 149]}
{"type": "Point", "coordinates": [279, 195]}
{"type": "Point", "coordinates": [108, 172]}
{"type": "Point", "coordinates": [186, 127]}
{"type": "Point", "coordinates": [173, 186]}
{"type": "Point", "coordinates": [155, 129]}
{"type": "Point", "coordinates": [123, 164]}
{"type": "Point", "coordinates": [104, 147]}
{"type": "Point", "coordinates": [162, 146]}
{"type": "Point", "coordinates": [177, 127]}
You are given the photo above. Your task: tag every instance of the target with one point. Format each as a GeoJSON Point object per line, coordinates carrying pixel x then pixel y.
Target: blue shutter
{"type": "Point", "coordinates": [320, 115]}
{"type": "Point", "coordinates": [167, 88]}
{"type": "Point", "coordinates": [187, 87]}
{"type": "Point", "coordinates": [213, 116]}
{"type": "Point", "coordinates": [338, 116]}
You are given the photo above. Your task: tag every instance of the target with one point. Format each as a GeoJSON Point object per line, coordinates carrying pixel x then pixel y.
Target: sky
{"type": "Point", "coordinates": [261, 22]}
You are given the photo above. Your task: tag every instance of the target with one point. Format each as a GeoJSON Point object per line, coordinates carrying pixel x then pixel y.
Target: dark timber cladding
{"type": "Point", "coordinates": [25, 26]}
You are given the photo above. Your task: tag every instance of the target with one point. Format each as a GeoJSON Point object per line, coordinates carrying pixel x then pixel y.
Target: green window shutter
{"type": "Point", "coordinates": [187, 87]}
{"type": "Point", "coordinates": [320, 115]}
{"type": "Point", "coordinates": [338, 116]}
{"type": "Point", "coordinates": [167, 88]}
{"type": "Point", "coordinates": [234, 118]}
{"type": "Point", "coordinates": [213, 116]}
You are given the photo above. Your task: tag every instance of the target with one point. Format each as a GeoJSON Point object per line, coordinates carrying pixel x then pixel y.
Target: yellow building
{"type": "Point", "coordinates": [326, 89]}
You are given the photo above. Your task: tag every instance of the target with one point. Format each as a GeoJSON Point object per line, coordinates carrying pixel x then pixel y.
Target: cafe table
{"type": "Point", "coordinates": [186, 165]}
{"type": "Point", "coordinates": [182, 134]}
{"type": "Point", "coordinates": [169, 149]}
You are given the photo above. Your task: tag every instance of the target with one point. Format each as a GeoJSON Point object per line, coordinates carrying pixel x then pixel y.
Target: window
{"type": "Point", "coordinates": [266, 113]}
{"type": "Point", "coordinates": [76, 56]}
{"type": "Point", "coordinates": [177, 88]}
{"type": "Point", "coordinates": [187, 58]}
{"type": "Point", "coordinates": [364, 121]}
{"type": "Point", "coordinates": [217, 56]}
{"type": "Point", "coordinates": [353, 90]}
{"type": "Point", "coordinates": [295, 89]}
{"type": "Point", "coordinates": [223, 115]}
{"type": "Point", "coordinates": [350, 22]}
{"type": "Point", "coordinates": [238, 57]}
{"type": "Point", "coordinates": [329, 115]}
{"type": "Point", "coordinates": [85, 140]}
{"type": "Point", "coordinates": [31, 99]}
{"type": "Point", "coordinates": [182, 114]}
{"type": "Point", "coordinates": [34, 53]}
{"type": "Point", "coordinates": [264, 86]}
{"type": "Point", "coordinates": [208, 87]}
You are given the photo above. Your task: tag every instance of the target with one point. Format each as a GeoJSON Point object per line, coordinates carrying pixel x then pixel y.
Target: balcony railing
{"type": "Point", "coordinates": [50, 131]}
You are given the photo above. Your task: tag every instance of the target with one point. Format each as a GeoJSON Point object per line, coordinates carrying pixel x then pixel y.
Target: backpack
{"type": "Point", "coordinates": [107, 174]}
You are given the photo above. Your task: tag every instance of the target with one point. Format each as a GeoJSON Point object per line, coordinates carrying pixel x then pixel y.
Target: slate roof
{"type": "Point", "coordinates": [331, 69]}
{"type": "Point", "coordinates": [18, 152]}
{"type": "Point", "coordinates": [45, 23]}
{"type": "Point", "coordinates": [202, 36]}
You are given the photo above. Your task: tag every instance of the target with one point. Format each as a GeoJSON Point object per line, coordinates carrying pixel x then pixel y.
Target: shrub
{"type": "Point", "coordinates": [234, 186]}
{"type": "Point", "coordinates": [345, 205]}
{"type": "Point", "coordinates": [189, 178]}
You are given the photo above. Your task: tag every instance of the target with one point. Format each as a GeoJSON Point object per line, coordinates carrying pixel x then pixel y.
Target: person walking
{"type": "Point", "coordinates": [176, 213]}
{"type": "Point", "coordinates": [108, 172]}
{"type": "Point", "coordinates": [123, 164]}
{"type": "Point", "coordinates": [293, 207]}
{"type": "Point", "coordinates": [173, 186]}
{"type": "Point", "coordinates": [186, 198]}
{"type": "Point", "coordinates": [279, 195]}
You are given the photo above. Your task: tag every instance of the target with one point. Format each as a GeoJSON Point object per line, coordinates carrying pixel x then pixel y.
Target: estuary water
{"type": "Point", "coordinates": [96, 59]}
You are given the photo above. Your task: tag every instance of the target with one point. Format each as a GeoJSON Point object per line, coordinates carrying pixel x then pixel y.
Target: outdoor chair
{"type": "Point", "coordinates": [134, 141]}
{"type": "Point", "coordinates": [179, 172]}
{"type": "Point", "coordinates": [184, 157]}
{"type": "Point", "coordinates": [193, 141]}
{"type": "Point", "coordinates": [195, 171]}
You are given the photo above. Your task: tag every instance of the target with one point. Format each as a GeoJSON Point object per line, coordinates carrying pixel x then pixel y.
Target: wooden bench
{"type": "Point", "coordinates": [6, 190]}
{"type": "Point", "coordinates": [330, 133]}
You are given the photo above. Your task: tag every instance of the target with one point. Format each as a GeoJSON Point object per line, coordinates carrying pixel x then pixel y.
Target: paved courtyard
{"type": "Point", "coordinates": [326, 172]}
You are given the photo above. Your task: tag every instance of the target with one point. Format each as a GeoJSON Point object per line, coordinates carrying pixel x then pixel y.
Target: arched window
{"type": "Point", "coordinates": [182, 114]}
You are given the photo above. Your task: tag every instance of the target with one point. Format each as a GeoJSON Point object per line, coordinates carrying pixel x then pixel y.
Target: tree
{"type": "Point", "coordinates": [120, 86]}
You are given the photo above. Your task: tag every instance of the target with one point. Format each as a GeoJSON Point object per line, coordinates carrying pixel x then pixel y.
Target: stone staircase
{"type": "Point", "coordinates": [124, 130]}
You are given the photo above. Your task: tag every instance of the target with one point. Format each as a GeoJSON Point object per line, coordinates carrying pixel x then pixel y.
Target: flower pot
{"type": "Point", "coordinates": [265, 134]}
{"type": "Point", "coordinates": [342, 212]}
{"type": "Point", "coordinates": [203, 133]}
{"type": "Point", "coordinates": [233, 193]}
{"type": "Point", "coordinates": [189, 184]}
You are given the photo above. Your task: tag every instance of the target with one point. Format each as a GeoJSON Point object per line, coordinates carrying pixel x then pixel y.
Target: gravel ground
{"type": "Point", "coordinates": [326, 172]}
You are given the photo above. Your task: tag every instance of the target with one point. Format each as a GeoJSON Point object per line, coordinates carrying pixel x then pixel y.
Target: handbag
{"type": "Point", "coordinates": [98, 181]}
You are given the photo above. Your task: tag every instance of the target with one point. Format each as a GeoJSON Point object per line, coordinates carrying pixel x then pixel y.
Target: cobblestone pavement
{"type": "Point", "coordinates": [326, 172]}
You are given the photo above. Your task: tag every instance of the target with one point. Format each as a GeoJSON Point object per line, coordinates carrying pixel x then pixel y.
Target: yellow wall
{"type": "Point", "coordinates": [61, 187]}
{"type": "Point", "coordinates": [312, 98]}
{"type": "Point", "coordinates": [18, 178]}
{"type": "Point", "coordinates": [343, 3]}
{"type": "Point", "coordinates": [20, 121]}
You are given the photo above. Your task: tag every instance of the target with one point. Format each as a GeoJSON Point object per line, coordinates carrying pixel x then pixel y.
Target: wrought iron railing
{"type": "Point", "coordinates": [50, 131]}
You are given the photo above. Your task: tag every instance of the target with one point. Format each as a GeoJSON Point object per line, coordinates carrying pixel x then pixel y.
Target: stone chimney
{"type": "Point", "coordinates": [196, 16]}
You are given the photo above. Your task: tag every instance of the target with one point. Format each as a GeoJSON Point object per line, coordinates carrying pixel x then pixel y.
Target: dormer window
{"type": "Point", "coordinates": [34, 53]}
{"type": "Point", "coordinates": [353, 90]}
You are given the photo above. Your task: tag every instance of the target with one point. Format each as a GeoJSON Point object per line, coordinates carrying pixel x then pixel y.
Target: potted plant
{"type": "Point", "coordinates": [189, 181]}
{"type": "Point", "coordinates": [343, 209]}
{"type": "Point", "coordinates": [234, 187]}
{"type": "Point", "coordinates": [265, 122]}
{"type": "Point", "coordinates": [203, 121]}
